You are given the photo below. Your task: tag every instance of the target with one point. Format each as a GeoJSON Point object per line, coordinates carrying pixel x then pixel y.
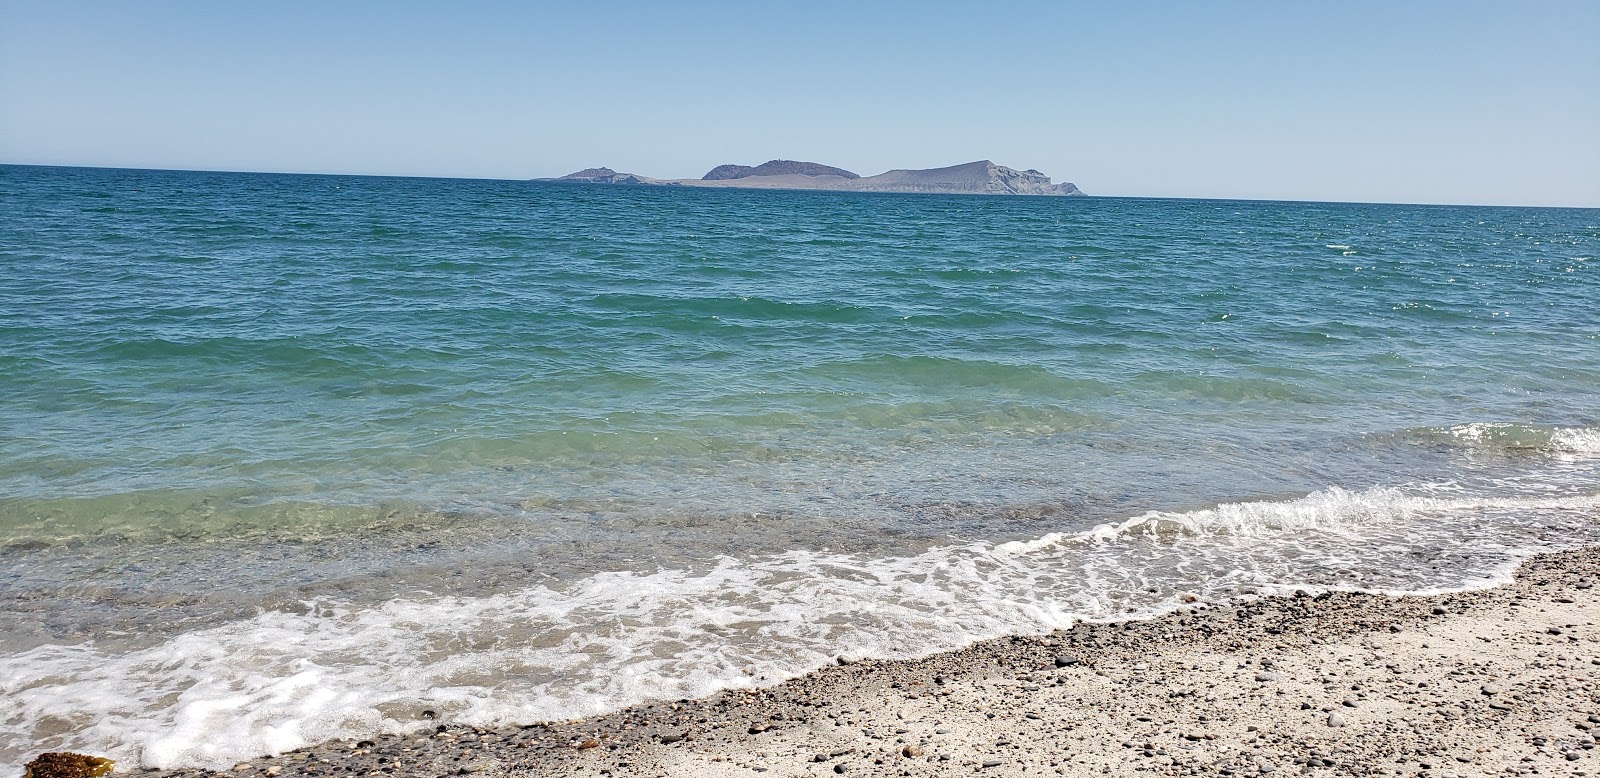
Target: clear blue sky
{"type": "Point", "coordinates": [1464, 102]}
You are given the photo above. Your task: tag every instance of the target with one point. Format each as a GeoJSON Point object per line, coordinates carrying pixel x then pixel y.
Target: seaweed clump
{"type": "Point", "coordinates": [65, 764]}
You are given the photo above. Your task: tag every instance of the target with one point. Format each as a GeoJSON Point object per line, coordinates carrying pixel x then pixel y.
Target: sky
{"type": "Point", "coordinates": [1394, 101]}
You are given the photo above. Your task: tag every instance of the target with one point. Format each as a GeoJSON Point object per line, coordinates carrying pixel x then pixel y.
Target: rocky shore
{"type": "Point", "coordinates": [1495, 682]}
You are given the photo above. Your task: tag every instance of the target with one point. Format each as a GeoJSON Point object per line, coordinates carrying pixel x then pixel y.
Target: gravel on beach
{"type": "Point", "coordinates": [1501, 681]}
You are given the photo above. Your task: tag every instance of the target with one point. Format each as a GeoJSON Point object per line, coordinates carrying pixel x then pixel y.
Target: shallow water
{"type": "Point", "coordinates": [290, 456]}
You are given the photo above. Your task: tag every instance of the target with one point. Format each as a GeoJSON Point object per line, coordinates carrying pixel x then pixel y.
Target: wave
{"type": "Point", "coordinates": [1510, 438]}
{"type": "Point", "coordinates": [281, 680]}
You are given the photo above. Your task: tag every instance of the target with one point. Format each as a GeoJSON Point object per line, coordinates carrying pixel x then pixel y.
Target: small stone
{"type": "Point", "coordinates": [991, 763]}
{"type": "Point", "coordinates": [274, 770]}
{"type": "Point", "coordinates": [243, 766]}
{"type": "Point", "coordinates": [590, 743]}
{"type": "Point", "coordinates": [1349, 703]}
{"type": "Point", "coordinates": [1335, 720]}
{"type": "Point", "coordinates": [1268, 676]}
{"type": "Point", "coordinates": [1490, 690]}
{"type": "Point", "coordinates": [1066, 661]}
{"type": "Point", "coordinates": [1554, 630]}
{"type": "Point", "coordinates": [911, 752]}
{"type": "Point", "coordinates": [1438, 610]}
{"type": "Point", "coordinates": [840, 768]}
{"type": "Point", "coordinates": [671, 737]}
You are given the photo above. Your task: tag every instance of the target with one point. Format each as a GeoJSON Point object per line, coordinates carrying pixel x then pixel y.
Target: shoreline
{"type": "Point", "coordinates": [1498, 681]}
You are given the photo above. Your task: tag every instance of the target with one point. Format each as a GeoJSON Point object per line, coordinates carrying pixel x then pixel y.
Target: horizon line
{"type": "Point", "coordinates": [540, 180]}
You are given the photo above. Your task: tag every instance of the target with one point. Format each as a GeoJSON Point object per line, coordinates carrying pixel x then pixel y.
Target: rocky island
{"type": "Point", "coordinates": [981, 177]}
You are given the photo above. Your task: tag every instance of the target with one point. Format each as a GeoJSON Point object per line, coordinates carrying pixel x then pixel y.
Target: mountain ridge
{"type": "Point", "coordinates": [979, 177]}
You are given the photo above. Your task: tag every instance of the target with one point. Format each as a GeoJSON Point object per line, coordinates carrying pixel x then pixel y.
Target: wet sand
{"type": "Point", "coordinates": [1495, 682]}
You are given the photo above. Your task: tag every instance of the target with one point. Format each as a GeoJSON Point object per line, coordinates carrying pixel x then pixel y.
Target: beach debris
{"type": "Point", "coordinates": [66, 764]}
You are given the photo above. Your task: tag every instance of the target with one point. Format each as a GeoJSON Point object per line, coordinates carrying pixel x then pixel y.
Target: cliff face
{"type": "Point", "coordinates": [776, 167]}
{"type": "Point", "coordinates": [981, 177]}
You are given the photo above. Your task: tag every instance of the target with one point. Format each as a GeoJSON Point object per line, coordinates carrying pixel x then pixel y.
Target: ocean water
{"type": "Point", "coordinates": [285, 458]}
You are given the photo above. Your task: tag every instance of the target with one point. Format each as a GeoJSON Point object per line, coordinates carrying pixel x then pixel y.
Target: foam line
{"type": "Point", "coordinates": [278, 681]}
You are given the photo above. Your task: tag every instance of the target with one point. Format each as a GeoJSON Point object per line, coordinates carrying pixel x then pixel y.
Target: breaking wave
{"type": "Point", "coordinates": [278, 681]}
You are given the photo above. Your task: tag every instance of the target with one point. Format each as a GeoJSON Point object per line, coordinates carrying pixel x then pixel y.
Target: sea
{"type": "Point", "coordinates": [293, 458]}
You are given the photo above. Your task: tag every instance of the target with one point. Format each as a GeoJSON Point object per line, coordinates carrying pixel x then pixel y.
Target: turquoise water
{"type": "Point", "coordinates": [540, 450]}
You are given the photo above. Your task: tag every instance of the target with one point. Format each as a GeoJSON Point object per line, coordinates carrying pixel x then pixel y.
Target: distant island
{"type": "Point", "coordinates": [981, 177]}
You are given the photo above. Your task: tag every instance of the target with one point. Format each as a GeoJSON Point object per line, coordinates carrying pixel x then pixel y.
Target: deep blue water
{"type": "Point", "coordinates": [725, 435]}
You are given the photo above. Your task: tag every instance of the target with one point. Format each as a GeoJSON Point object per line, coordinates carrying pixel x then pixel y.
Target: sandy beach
{"type": "Point", "coordinates": [1493, 682]}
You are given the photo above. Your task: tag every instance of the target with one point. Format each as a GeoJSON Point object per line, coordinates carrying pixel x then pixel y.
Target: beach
{"type": "Point", "coordinates": [1499, 681]}
{"type": "Point", "coordinates": [304, 460]}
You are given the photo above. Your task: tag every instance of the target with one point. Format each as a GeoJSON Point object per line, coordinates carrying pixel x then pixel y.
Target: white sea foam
{"type": "Point", "coordinates": [280, 680]}
{"type": "Point", "coordinates": [1576, 440]}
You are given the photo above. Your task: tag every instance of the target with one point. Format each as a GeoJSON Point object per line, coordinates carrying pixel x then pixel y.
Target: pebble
{"type": "Point", "coordinates": [1490, 690]}
{"type": "Point", "coordinates": [1264, 677]}
{"type": "Point", "coordinates": [991, 763]}
{"type": "Point", "coordinates": [1066, 661]}
{"type": "Point", "coordinates": [911, 752]}
{"type": "Point", "coordinates": [1335, 720]}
